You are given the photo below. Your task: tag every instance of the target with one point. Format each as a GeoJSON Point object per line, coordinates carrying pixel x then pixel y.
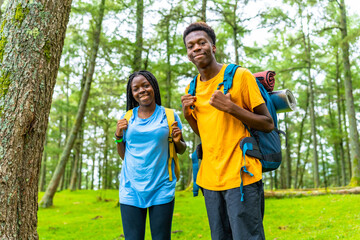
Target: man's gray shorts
{"type": "Point", "coordinates": [229, 218]}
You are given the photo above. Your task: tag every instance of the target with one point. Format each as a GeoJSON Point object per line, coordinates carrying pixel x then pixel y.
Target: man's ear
{"type": "Point", "coordinates": [213, 48]}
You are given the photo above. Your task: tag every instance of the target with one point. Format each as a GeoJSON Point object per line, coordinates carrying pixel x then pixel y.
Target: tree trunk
{"type": "Point", "coordinates": [93, 162]}
{"type": "Point", "coordinates": [235, 32]}
{"type": "Point", "coordinates": [29, 65]}
{"type": "Point", "coordinates": [347, 144]}
{"type": "Point", "coordinates": [203, 10]}
{"type": "Point", "coordinates": [47, 199]}
{"type": "Point", "coordinates": [288, 155]}
{"type": "Point", "coordinates": [43, 169]}
{"type": "Point", "coordinates": [307, 45]}
{"type": "Point", "coordinates": [339, 125]}
{"type": "Point", "coordinates": [323, 165]}
{"type": "Point", "coordinates": [168, 63]}
{"type": "Point", "coordinates": [79, 177]}
{"type": "Point", "coordinates": [74, 170]}
{"type": "Point", "coordinates": [335, 142]}
{"type": "Point", "coordinates": [105, 162]}
{"type": "Point", "coordinates": [349, 100]}
{"type": "Point", "coordinates": [139, 35]}
{"type": "Point", "coordinates": [301, 137]}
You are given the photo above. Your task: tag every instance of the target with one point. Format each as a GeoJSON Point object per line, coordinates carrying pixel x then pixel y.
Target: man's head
{"type": "Point", "coordinates": [200, 26]}
{"type": "Point", "coordinates": [199, 39]}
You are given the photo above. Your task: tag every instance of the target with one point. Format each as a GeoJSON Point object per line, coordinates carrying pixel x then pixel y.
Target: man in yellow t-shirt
{"type": "Point", "coordinates": [218, 120]}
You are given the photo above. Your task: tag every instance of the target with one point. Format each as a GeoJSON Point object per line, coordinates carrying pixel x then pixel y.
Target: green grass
{"type": "Point", "coordinates": [82, 215]}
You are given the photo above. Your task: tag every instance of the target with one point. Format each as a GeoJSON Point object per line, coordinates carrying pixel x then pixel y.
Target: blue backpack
{"type": "Point", "coordinates": [264, 146]}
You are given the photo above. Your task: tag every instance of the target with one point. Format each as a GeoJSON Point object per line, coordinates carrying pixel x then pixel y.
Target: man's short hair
{"type": "Point", "coordinates": [200, 26]}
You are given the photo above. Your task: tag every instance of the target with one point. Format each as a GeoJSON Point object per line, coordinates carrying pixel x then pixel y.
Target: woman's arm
{"type": "Point", "coordinates": [120, 127]}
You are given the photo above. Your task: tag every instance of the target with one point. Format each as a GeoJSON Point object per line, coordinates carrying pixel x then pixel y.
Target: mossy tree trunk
{"type": "Point", "coordinates": [32, 38]}
{"type": "Point", "coordinates": [47, 199]}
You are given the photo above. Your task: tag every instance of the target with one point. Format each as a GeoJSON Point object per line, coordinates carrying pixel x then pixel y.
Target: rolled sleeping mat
{"type": "Point", "coordinates": [284, 100]}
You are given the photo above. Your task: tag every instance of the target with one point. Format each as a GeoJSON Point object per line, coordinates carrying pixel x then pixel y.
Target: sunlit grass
{"type": "Point", "coordinates": [96, 215]}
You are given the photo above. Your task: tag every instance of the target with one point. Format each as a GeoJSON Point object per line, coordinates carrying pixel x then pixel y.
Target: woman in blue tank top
{"type": "Point", "coordinates": [143, 144]}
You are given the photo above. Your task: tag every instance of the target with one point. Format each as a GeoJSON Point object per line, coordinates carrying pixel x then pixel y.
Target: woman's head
{"type": "Point", "coordinates": [136, 89]}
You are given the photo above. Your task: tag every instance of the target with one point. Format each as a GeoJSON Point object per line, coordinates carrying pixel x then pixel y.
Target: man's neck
{"type": "Point", "coordinates": [209, 71]}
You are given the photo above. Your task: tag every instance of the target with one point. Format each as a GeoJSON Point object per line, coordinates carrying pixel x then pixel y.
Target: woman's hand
{"type": "Point", "coordinates": [122, 125]}
{"type": "Point", "coordinates": [176, 132]}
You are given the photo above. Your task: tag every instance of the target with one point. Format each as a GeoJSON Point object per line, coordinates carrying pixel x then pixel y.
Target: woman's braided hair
{"type": "Point", "coordinates": [130, 100]}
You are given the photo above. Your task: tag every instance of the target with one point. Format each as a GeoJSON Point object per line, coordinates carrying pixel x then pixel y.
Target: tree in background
{"type": "Point", "coordinates": [349, 99]}
{"type": "Point", "coordinates": [32, 37]}
{"type": "Point", "coordinates": [47, 199]}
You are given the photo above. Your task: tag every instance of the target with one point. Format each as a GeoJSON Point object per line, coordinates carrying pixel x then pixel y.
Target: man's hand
{"type": "Point", "coordinates": [176, 132]}
{"type": "Point", "coordinates": [120, 127]}
{"type": "Point", "coordinates": [187, 101]}
{"type": "Point", "coordinates": [221, 101]}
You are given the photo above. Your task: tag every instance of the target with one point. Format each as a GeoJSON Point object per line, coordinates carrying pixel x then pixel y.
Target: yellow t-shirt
{"type": "Point", "coordinates": [221, 133]}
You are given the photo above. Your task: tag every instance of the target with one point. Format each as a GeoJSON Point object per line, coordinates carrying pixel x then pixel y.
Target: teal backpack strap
{"type": "Point", "coordinates": [228, 77]}
{"type": "Point", "coordinates": [192, 88]}
{"type": "Point", "coordinates": [247, 146]}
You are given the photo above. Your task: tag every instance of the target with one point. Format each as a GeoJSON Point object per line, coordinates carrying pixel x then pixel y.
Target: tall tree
{"type": "Point", "coordinates": [203, 10]}
{"type": "Point", "coordinates": [349, 100]}
{"type": "Point", "coordinates": [32, 38]}
{"type": "Point", "coordinates": [307, 46]}
{"type": "Point", "coordinates": [137, 62]}
{"type": "Point", "coordinates": [47, 199]}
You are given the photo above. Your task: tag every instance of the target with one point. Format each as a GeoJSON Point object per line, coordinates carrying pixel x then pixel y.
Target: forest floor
{"type": "Point", "coordinates": [89, 214]}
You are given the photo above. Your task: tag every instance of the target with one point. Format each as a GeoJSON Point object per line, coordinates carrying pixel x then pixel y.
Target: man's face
{"type": "Point", "coordinates": [200, 49]}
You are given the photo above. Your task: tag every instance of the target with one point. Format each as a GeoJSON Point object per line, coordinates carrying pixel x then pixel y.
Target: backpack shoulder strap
{"type": "Point", "coordinates": [128, 115]}
{"type": "Point", "coordinates": [228, 77]}
{"type": "Point", "coordinates": [268, 102]}
{"type": "Point", "coordinates": [172, 151]}
{"type": "Point", "coordinates": [192, 88]}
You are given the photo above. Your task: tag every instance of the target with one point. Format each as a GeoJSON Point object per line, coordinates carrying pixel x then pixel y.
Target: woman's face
{"type": "Point", "coordinates": [142, 91]}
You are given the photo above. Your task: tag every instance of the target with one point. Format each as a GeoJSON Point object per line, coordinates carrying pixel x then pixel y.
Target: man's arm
{"type": "Point", "coordinates": [180, 144]}
{"type": "Point", "coordinates": [187, 101]}
{"type": "Point", "coordinates": [260, 119]}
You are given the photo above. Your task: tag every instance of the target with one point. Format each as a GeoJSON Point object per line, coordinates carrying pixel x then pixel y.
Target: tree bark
{"type": "Point", "coordinates": [32, 37]}
{"type": "Point", "coordinates": [43, 169]}
{"type": "Point", "coordinates": [47, 199]}
{"type": "Point", "coordinates": [349, 100]}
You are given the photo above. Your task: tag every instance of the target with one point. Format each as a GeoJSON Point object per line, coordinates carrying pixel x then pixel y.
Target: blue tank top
{"type": "Point", "coordinates": [144, 178]}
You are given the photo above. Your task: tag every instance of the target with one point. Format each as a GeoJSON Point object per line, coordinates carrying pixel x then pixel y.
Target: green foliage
{"type": "Point", "coordinates": [95, 215]}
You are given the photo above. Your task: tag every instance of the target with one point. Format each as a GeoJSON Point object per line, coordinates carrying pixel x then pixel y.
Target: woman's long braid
{"type": "Point", "coordinates": [130, 101]}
